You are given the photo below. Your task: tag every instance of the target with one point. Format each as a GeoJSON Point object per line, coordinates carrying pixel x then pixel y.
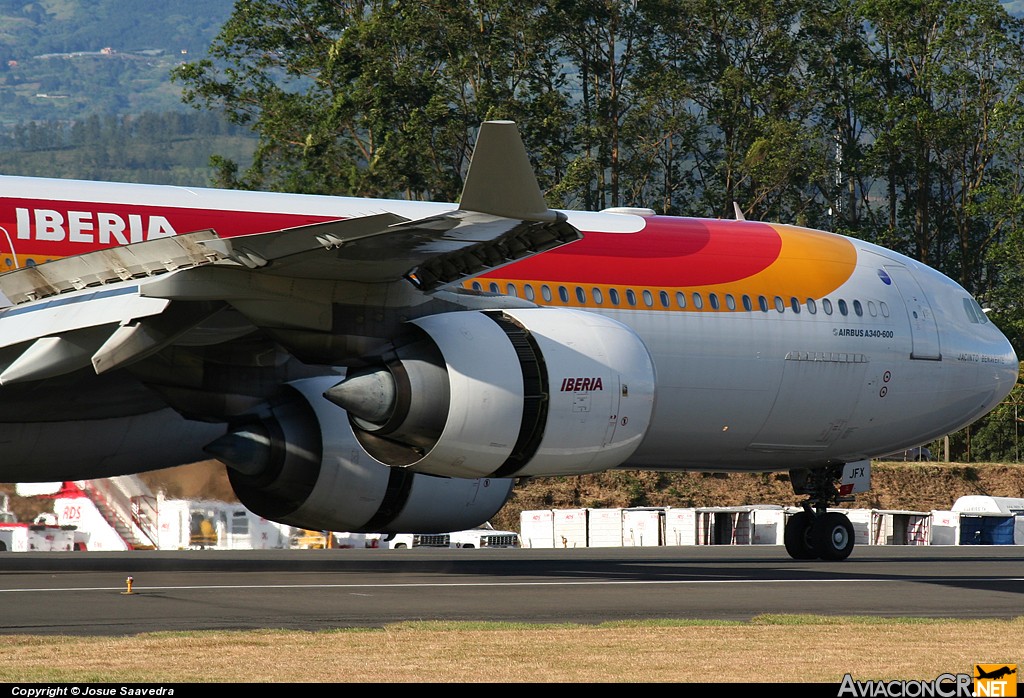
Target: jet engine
{"type": "Point", "coordinates": [298, 462]}
{"type": "Point", "coordinates": [523, 392]}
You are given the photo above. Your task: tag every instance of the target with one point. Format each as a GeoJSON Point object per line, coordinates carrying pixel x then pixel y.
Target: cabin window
{"type": "Point", "coordinates": [730, 302]}
{"type": "Point", "coordinates": [663, 295]}
{"type": "Point", "coordinates": [528, 292]}
{"type": "Point", "coordinates": [826, 305]}
{"type": "Point", "coordinates": [545, 293]}
{"type": "Point", "coordinates": [748, 305]}
{"type": "Point", "coordinates": [563, 294]}
{"type": "Point", "coordinates": [762, 303]}
{"type": "Point", "coordinates": [858, 309]}
{"type": "Point", "coordinates": [630, 296]}
{"type": "Point", "coordinates": [884, 308]}
{"type": "Point", "coordinates": [511, 288]}
{"type": "Point", "coordinates": [843, 310]}
{"type": "Point", "coordinates": [477, 286]}
{"type": "Point", "coordinates": [581, 295]}
{"type": "Point", "coordinates": [598, 296]}
{"type": "Point", "coordinates": [780, 304]}
{"type": "Point", "coordinates": [494, 288]}
{"type": "Point", "coordinates": [648, 298]}
{"type": "Point", "coordinates": [698, 302]}
{"type": "Point", "coordinates": [794, 303]}
{"type": "Point", "coordinates": [872, 309]}
{"type": "Point", "coordinates": [812, 307]}
{"type": "Point", "coordinates": [680, 299]}
{"type": "Point", "coordinates": [613, 296]}
{"type": "Point", "coordinates": [713, 301]}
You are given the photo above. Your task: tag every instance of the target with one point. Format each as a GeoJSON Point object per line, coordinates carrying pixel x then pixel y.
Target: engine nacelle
{"type": "Point", "coordinates": [300, 464]}
{"type": "Point", "coordinates": [518, 392]}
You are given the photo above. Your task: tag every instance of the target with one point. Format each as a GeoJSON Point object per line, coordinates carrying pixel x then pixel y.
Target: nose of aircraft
{"type": "Point", "coordinates": [981, 345]}
{"type": "Point", "coordinates": [977, 366]}
{"type": "Point", "coordinates": [1006, 373]}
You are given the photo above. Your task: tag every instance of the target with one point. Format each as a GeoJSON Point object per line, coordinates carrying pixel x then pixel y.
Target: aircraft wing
{"type": "Point", "coordinates": [114, 306]}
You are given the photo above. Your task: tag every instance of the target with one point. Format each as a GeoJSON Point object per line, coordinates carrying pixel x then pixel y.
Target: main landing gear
{"type": "Point", "coordinates": [815, 532]}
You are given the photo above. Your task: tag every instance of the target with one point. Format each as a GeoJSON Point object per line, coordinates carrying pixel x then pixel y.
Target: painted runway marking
{"type": "Point", "coordinates": [140, 590]}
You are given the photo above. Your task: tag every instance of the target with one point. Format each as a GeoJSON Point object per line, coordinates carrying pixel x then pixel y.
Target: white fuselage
{"type": "Point", "coordinates": [891, 356]}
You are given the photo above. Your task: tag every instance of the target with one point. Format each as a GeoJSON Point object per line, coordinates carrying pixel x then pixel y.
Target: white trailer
{"type": "Point", "coordinates": [680, 526]}
{"type": "Point", "coordinates": [570, 528]}
{"type": "Point", "coordinates": [643, 527]}
{"type": "Point", "coordinates": [945, 527]}
{"type": "Point", "coordinates": [604, 528]}
{"type": "Point", "coordinates": [197, 525]}
{"type": "Point", "coordinates": [768, 526]}
{"type": "Point", "coordinates": [537, 528]}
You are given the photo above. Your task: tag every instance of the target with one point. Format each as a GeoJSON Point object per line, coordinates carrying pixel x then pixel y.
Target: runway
{"type": "Point", "coordinates": [85, 593]}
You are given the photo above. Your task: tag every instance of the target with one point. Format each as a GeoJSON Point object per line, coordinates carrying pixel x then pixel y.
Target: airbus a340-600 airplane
{"type": "Point", "coordinates": [392, 366]}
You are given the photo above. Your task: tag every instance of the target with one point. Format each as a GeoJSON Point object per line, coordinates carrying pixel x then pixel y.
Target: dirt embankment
{"type": "Point", "coordinates": [908, 486]}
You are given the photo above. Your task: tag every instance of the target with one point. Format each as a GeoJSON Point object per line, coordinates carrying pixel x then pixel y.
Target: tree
{"type": "Point", "coordinates": [375, 98]}
{"type": "Point", "coordinates": [944, 127]}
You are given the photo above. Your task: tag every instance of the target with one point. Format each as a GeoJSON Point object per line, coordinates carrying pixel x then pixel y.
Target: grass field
{"type": "Point", "coordinates": [773, 649]}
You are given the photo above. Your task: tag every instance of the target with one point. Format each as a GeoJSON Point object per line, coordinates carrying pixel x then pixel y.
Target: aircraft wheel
{"type": "Point", "coordinates": [832, 536]}
{"type": "Point", "coordinates": [797, 536]}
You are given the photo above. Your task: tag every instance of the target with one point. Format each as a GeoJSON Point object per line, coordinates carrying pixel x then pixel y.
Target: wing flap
{"type": "Point", "coordinates": [109, 266]}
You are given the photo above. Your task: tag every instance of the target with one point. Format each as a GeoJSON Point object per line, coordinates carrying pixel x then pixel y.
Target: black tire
{"type": "Point", "coordinates": [797, 536]}
{"type": "Point", "coordinates": [832, 536]}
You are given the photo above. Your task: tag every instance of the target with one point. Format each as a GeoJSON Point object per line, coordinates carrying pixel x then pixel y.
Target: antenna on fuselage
{"type": "Point", "coordinates": [739, 212]}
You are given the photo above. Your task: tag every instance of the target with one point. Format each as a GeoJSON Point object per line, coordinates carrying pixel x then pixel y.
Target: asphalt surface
{"type": "Point", "coordinates": [85, 593]}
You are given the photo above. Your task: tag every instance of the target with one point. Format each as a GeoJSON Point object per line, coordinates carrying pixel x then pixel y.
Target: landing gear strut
{"type": "Point", "coordinates": [815, 532]}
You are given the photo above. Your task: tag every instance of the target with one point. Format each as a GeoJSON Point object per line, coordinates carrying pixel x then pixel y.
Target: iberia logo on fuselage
{"type": "Point", "coordinates": [102, 227]}
{"type": "Point", "coordinates": [53, 229]}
